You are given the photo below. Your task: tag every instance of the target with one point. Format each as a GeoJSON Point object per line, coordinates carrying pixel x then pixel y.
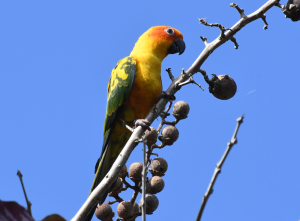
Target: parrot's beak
{"type": "Point", "coordinates": [177, 46]}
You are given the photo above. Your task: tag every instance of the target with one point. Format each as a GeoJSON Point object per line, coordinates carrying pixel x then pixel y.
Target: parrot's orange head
{"type": "Point", "coordinates": [160, 41]}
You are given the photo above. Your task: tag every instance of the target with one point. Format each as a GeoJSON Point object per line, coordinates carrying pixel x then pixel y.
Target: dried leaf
{"type": "Point", "coordinates": [12, 211]}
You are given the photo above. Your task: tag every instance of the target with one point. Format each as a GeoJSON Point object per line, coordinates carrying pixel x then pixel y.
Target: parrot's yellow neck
{"type": "Point", "coordinates": [150, 47]}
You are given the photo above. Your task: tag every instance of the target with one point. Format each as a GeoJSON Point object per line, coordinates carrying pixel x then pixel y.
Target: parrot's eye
{"type": "Point", "coordinates": [170, 31]}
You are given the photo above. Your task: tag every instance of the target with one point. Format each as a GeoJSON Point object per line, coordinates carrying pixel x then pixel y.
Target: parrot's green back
{"type": "Point", "coordinates": [114, 135]}
{"type": "Point", "coordinates": [119, 87]}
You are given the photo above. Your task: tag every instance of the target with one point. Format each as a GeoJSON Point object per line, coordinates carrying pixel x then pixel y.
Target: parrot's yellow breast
{"type": "Point", "coordinates": [146, 87]}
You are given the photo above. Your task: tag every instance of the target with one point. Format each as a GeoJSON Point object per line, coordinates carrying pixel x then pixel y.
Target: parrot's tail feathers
{"type": "Point", "coordinates": [101, 169]}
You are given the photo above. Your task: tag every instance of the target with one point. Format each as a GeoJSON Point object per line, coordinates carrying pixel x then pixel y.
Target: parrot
{"type": "Point", "coordinates": [134, 87]}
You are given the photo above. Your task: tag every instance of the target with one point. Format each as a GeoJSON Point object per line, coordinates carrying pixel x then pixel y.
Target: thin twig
{"type": "Point", "coordinates": [117, 200]}
{"type": "Point", "coordinates": [144, 175]}
{"type": "Point", "coordinates": [163, 117]}
{"type": "Point", "coordinates": [135, 193]}
{"type": "Point", "coordinates": [27, 201]}
{"type": "Point", "coordinates": [204, 40]}
{"type": "Point", "coordinates": [240, 10]}
{"type": "Point", "coordinates": [222, 28]}
{"type": "Point", "coordinates": [173, 123]}
{"type": "Point", "coordinates": [218, 169]}
{"type": "Point", "coordinates": [125, 125]}
{"type": "Point", "coordinates": [128, 185]}
{"type": "Point", "coordinates": [236, 45]}
{"type": "Point", "coordinates": [149, 154]}
{"type": "Point", "coordinates": [263, 17]}
{"type": "Point", "coordinates": [189, 81]}
{"type": "Point", "coordinates": [203, 72]}
{"type": "Point", "coordinates": [170, 74]}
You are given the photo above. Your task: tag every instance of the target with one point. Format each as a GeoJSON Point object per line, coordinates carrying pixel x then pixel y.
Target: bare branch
{"type": "Point", "coordinates": [230, 33]}
{"type": "Point", "coordinates": [163, 117]}
{"type": "Point", "coordinates": [233, 39]}
{"type": "Point", "coordinates": [218, 169]}
{"type": "Point", "coordinates": [189, 81]}
{"type": "Point", "coordinates": [282, 7]}
{"type": "Point", "coordinates": [222, 28]}
{"type": "Point", "coordinates": [173, 123]}
{"type": "Point", "coordinates": [135, 193]}
{"type": "Point", "coordinates": [240, 10]}
{"type": "Point", "coordinates": [27, 201]}
{"type": "Point", "coordinates": [125, 125]}
{"type": "Point", "coordinates": [149, 154]}
{"type": "Point", "coordinates": [203, 72]}
{"type": "Point", "coordinates": [144, 175]}
{"type": "Point", "coordinates": [170, 74]}
{"type": "Point", "coordinates": [263, 17]}
{"type": "Point", "coordinates": [116, 168]}
{"type": "Point", "coordinates": [117, 200]}
{"type": "Point", "coordinates": [204, 40]}
{"type": "Point", "coordinates": [213, 83]}
{"type": "Point", "coordinates": [127, 184]}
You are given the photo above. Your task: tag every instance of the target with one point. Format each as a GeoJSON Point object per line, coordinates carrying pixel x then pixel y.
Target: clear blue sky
{"type": "Point", "coordinates": [56, 59]}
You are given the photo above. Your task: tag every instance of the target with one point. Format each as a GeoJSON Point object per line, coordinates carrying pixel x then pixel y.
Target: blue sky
{"type": "Point", "coordinates": [56, 59]}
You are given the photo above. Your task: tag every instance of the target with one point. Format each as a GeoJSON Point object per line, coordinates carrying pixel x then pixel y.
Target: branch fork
{"type": "Point", "coordinates": [191, 80]}
{"type": "Point", "coordinates": [222, 28]}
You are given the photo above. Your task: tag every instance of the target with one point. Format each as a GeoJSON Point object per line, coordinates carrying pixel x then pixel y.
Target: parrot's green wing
{"type": "Point", "coordinates": [119, 87]}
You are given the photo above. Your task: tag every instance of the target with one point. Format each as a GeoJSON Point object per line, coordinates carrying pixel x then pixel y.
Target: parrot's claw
{"type": "Point", "coordinates": [166, 95]}
{"type": "Point", "coordinates": [143, 123]}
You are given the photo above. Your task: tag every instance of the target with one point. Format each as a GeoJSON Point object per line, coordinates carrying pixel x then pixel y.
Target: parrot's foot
{"type": "Point", "coordinates": [166, 95]}
{"type": "Point", "coordinates": [143, 123]}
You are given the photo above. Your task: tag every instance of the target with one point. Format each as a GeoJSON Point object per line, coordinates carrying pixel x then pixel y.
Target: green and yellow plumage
{"type": "Point", "coordinates": [133, 89]}
{"type": "Point", "coordinates": [119, 87]}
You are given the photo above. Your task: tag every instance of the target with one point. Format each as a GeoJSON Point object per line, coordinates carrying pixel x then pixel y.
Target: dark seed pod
{"type": "Point", "coordinates": [169, 135]}
{"type": "Point", "coordinates": [125, 209]}
{"type": "Point", "coordinates": [158, 167]}
{"type": "Point", "coordinates": [117, 187]}
{"type": "Point", "coordinates": [151, 136]}
{"type": "Point", "coordinates": [181, 110]}
{"type": "Point", "coordinates": [151, 203]}
{"type": "Point", "coordinates": [124, 172]}
{"type": "Point", "coordinates": [104, 212]}
{"type": "Point", "coordinates": [155, 185]}
{"type": "Point", "coordinates": [225, 88]}
{"type": "Point", "coordinates": [135, 171]}
{"type": "Point", "coordinates": [292, 10]}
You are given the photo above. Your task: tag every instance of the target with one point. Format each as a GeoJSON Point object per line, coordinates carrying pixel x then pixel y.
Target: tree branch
{"type": "Point", "coordinates": [218, 169]}
{"type": "Point", "coordinates": [27, 201]}
{"type": "Point", "coordinates": [160, 106]}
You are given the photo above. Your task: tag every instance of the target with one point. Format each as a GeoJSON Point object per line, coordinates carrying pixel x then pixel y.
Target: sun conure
{"type": "Point", "coordinates": [134, 87]}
